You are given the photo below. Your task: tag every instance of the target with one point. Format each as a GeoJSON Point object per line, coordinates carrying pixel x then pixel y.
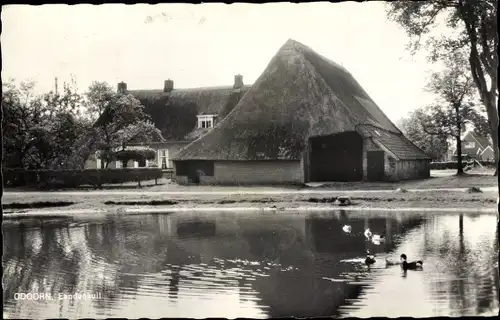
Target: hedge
{"type": "Point", "coordinates": [454, 164]}
{"type": "Point", "coordinates": [76, 178]}
{"type": "Point", "coordinates": [487, 163]}
{"type": "Point", "coordinates": [446, 165]}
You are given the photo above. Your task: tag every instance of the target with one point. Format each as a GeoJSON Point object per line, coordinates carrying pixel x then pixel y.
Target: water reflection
{"type": "Point", "coordinates": [252, 265]}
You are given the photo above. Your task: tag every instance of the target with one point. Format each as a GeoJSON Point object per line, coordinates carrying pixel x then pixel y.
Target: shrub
{"type": "Point", "coordinates": [75, 178]}
{"type": "Point", "coordinates": [446, 165]}
{"type": "Point", "coordinates": [487, 163]}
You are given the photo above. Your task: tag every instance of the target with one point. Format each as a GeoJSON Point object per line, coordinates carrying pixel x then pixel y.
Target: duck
{"type": "Point", "coordinates": [347, 228]}
{"type": "Point", "coordinates": [368, 233]}
{"type": "Point", "coordinates": [370, 258]}
{"type": "Point", "coordinates": [414, 265]}
{"type": "Point", "coordinates": [375, 238]}
{"type": "Point", "coordinates": [378, 239]}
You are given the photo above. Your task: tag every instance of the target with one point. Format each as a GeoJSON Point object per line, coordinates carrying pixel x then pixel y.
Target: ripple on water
{"type": "Point", "coordinates": [140, 264]}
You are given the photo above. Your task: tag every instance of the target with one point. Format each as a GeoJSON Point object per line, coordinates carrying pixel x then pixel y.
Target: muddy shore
{"type": "Point", "coordinates": [318, 199]}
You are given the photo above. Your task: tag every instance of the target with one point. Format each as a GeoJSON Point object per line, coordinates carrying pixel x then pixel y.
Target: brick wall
{"type": "Point", "coordinates": [395, 170]}
{"type": "Point", "coordinates": [413, 169]}
{"type": "Point", "coordinates": [390, 168]}
{"type": "Point", "coordinates": [259, 172]}
{"type": "Point", "coordinates": [252, 172]}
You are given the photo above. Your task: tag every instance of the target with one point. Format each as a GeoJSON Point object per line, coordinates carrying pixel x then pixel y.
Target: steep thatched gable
{"type": "Point", "coordinates": [299, 95]}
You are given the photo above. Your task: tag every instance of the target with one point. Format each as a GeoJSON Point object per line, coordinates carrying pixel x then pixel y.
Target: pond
{"type": "Point", "coordinates": [253, 265]}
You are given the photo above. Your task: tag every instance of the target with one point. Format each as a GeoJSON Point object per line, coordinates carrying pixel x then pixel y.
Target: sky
{"type": "Point", "coordinates": [207, 44]}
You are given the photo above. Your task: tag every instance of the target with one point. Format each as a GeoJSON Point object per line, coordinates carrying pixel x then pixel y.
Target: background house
{"type": "Point", "coordinates": [182, 115]}
{"type": "Point", "coordinates": [475, 147]}
{"type": "Point", "coordinates": [305, 119]}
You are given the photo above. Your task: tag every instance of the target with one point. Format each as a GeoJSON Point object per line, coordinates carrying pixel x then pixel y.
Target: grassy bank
{"type": "Point", "coordinates": [319, 195]}
{"type": "Point", "coordinates": [317, 199]}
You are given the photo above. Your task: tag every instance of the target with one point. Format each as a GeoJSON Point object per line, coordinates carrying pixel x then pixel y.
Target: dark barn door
{"type": "Point", "coordinates": [337, 157]}
{"type": "Point", "coordinates": [375, 161]}
{"type": "Point", "coordinates": [193, 169]}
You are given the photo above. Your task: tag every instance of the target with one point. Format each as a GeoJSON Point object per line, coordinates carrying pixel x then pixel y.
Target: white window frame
{"type": "Point", "coordinates": [206, 121]}
{"type": "Point", "coordinates": [469, 145]}
{"type": "Point", "coordinates": [118, 164]}
{"type": "Point", "coordinates": [163, 154]}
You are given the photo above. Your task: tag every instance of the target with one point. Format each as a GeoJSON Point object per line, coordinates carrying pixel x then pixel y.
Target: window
{"type": "Point", "coordinates": [470, 145]}
{"type": "Point", "coordinates": [206, 121]}
{"type": "Point", "coordinates": [118, 164]}
{"type": "Point", "coordinates": [163, 159]}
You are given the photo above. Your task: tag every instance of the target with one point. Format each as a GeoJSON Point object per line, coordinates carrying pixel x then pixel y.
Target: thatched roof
{"type": "Point", "coordinates": [397, 144]}
{"type": "Point", "coordinates": [299, 95]}
{"type": "Point", "coordinates": [174, 113]}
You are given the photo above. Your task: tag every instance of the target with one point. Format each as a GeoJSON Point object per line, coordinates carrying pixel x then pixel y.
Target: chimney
{"type": "Point", "coordinates": [168, 86]}
{"type": "Point", "coordinates": [122, 88]}
{"type": "Point", "coordinates": [238, 81]}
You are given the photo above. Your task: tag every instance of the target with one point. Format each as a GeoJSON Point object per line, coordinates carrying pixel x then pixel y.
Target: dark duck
{"type": "Point", "coordinates": [414, 265]}
{"type": "Point", "coordinates": [370, 258]}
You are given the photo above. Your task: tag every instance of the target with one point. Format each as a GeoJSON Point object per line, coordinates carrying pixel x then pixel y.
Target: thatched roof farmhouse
{"type": "Point", "coordinates": [182, 115]}
{"type": "Point", "coordinates": [305, 119]}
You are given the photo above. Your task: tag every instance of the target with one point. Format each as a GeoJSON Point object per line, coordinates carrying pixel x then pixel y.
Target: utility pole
{"type": "Point", "coordinates": [55, 85]}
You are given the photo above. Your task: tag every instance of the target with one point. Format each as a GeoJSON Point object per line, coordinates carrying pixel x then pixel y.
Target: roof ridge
{"type": "Point", "coordinates": [194, 88]}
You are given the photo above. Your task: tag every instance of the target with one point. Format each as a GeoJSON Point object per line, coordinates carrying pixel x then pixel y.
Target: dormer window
{"type": "Point", "coordinates": [206, 121]}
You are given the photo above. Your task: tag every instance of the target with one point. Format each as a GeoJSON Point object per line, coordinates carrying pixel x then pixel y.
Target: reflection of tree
{"type": "Point", "coordinates": [173, 284]}
{"type": "Point", "coordinates": [469, 268]}
{"type": "Point", "coordinates": [47, 262]}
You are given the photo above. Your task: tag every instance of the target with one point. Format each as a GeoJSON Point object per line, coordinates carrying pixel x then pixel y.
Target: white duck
{"type": "Point", "coordinates": [375, 238]}
{"type": "Point", "coordinates": [368, 234]}
{"type": "Point", "coordinates": [347, 228]}
{"type": "Point", "coordinates": [378, 239]}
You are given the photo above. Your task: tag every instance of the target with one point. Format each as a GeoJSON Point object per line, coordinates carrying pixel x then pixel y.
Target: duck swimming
{"type": "Point", "coordinates": [378, 239]}
{"type": "Point", "coordinates": [368, 233]}
{"type": "Point", "coordinates": [370, 258]}
{"type": "Point", "coordinates": [347, 228]}
{"type": "Point", "coordinates": [414, 265]}
{"type": "Point", "coordinates": [375, 238]}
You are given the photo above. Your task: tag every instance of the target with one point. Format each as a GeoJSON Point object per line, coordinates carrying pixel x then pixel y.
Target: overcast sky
{"type": "Point", "coordinates": [206, 45]}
